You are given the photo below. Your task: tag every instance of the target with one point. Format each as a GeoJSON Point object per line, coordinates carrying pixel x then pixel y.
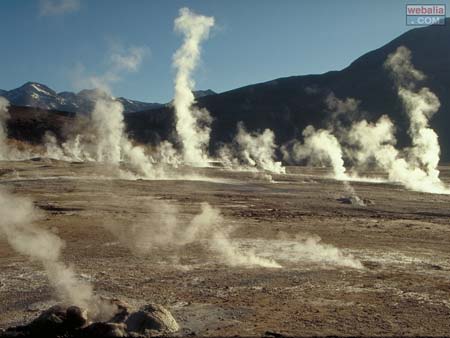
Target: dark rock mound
{"type": "Point", "coordinates": [101, 329]}
{"type": "Point", "coordinates": [53, 322]}
{"type": "Point", "coordinates": [73, 322]}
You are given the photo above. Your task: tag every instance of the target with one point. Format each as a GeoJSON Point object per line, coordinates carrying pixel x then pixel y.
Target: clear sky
{"type": "Point", "coordinates": [253, 40]}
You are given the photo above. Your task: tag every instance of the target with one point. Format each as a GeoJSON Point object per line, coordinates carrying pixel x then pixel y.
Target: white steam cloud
{"type": "Point", "coordinates": [165, 229]}
{"type": "Point", "coordinates": [418, 171]}
{"type": "Point", "coordinates": [319, 147]}
{"type": "Point", "coordinates": [306, 248]}
{"type": "Point", "coordinates": [374, 143]}
{"type": "Point", "coordinates": [130, 61]}
{"type": "Point", "coordinates": [107, 120]}
{"type": "Point", "coordinates": [251, 151]}
{"type": "Point", "coordinates": [192, 124]}
{"type": "Point", "coordinates": [104, 139]}
{"type": "Point", "coordinates": [420, 106]}
{"type": "Point", "coordinates": [16, 224]}
{"type": "Point", "coordinates": [106, 142]}
{"type": "Point", "coordinates": [120, 60]}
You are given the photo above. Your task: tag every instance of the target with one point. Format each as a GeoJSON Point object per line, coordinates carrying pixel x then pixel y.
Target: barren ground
{"type": "Point", "coordinates": [402, 239]}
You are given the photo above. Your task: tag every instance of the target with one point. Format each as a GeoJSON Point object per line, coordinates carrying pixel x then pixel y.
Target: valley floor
{"type": "Point", "coordinates": [400, 237]}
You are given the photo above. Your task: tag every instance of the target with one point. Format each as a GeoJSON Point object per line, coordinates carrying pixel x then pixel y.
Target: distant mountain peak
{"type": "Point", "coordinates": [38, 87]}
{"type": "Point", "coordinates": [37, 95]}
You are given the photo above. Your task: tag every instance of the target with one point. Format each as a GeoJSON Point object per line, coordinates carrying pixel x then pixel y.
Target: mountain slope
{"type": "Point", "coordinates": [288, 105]}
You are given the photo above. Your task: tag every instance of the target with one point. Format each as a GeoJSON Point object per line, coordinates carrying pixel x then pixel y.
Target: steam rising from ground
{"type": "Point", "coordinates": [107, 120]}
{"type": "Point", "coordinates": [165, 229]}
{"type": "Point", "coordinates": [251, 151]}
{"type": "Point", "coordinates": [319, 147]}
{"type": "Point", "coordinates": [113, 145]}
{"type": "Point", "coordinates": [420, 106]}
{"type": "Point", "coordinates": [192, 124]}
{"type": "Point", "coordinates": [374, 143]}
{"type": "Point", "coordinates": [16, 224]}
{"type": "Point", "coordinates": [103, 138]}
{"type": "Point", "coordinates": [4, 116]}
{"type": "Point", "coordinates": [8, 150]}
{"type": "Point", "coordinates": [105, 141]}
{"type": "Point", "coordinates": [322, 147]}
{"type": "Point", "coordinates": [306, 248]}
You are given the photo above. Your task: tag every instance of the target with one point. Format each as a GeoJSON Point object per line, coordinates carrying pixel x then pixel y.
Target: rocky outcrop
{"type": "Point", "coordinates": [73, 322]}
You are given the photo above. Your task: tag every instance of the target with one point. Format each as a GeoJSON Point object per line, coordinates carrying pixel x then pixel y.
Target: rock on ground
{"type": "Point", "coordinates": [152, 317]}
{"type": "Point", "coordinates": [72, 321]}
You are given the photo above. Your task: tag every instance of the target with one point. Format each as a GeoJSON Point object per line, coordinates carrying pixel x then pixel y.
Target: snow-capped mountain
{"type": "Point", "coordinates": [33, 94]}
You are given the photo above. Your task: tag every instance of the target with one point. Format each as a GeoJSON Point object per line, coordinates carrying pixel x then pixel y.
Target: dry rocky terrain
{"type": "Point", "coordinates": [400, 237]}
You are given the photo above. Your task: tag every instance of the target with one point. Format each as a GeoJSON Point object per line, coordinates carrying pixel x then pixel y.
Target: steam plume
{"type": "Point", "coordinates": [9, 151]}
{"type": "Point", "coordinates": [112, 144]}
{"type": "Point", "coordinates": [374, 143]}
{"type": "Point", "coordinates": [210, 221]}
{"type": "Point", "coordinates": [193, 124]}
{"type": "Point", "coordinates": [107, 119]}
{"type": "Point", "coordinates": [104, 138]}
{"type": "Point", "coordinates": [251, 151]}
{"type": "Point", "coordinates": [420, 106]}
{"type": "Point", "coordinates": [4, 116]}
{"type": "Point", "coordinates": [165, 230]}
{"type": "Point", "coordinates": [305, 248]}
{"type": "Point", "coordinates": [419, 170]}
{"type": "Point", "coordinates": [319, 147]}
{"type": "Point", "coordinates": [167, 154]}
{"type": "Point", "coordinates": [258, 149]}
{"type": "Point", "coordinates": [16, 224]}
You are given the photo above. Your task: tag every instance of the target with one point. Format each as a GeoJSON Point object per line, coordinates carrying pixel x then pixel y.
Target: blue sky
{"type": "Point", "coordinates": [253, 40]}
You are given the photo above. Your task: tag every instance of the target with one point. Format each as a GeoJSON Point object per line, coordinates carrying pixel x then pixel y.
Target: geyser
{"type": "Point", "coordinates": [319, 147]}
{"type": "Point", "coordinates": [251, 151]}
{"type": "Point", "coordinates": [192, 123]}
